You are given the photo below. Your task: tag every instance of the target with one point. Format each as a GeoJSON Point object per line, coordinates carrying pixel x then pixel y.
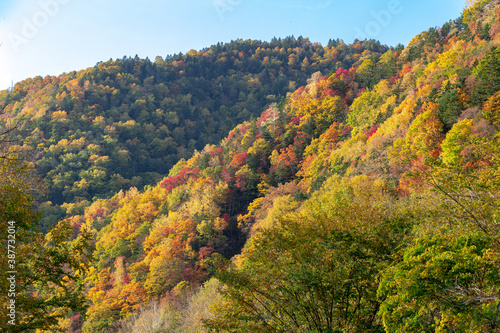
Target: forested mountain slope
{"type": "Point", "coordinates": [365, 201]}
{"type": "Point", "coordinates": [126, 122]}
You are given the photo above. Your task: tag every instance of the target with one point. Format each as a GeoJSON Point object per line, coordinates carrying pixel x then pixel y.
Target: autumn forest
{"type": "Point", "coordinates": [253, 186]}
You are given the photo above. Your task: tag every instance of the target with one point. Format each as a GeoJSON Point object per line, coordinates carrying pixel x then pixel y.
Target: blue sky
{"type": "Point", "coordinates": [49, 37]}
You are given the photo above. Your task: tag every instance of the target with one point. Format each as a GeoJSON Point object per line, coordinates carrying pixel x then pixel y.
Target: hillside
{"type": "Point", "coordinates": [366, 200]}
{"type": "Point", "coordinates": [124, 123]}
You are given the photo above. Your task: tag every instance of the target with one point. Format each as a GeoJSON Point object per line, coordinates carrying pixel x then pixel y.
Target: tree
{"type": "Point", "coordinates": [449, 107]}
{"type": "Point", "coordinates": [467, 177]}
{"type": "Point", "coordinates": [42, 275]}
{"type": "Point", "coordinates": [488, 74]}
{"type": "Point", "coordinates": [315, 270]}
{"type": "Point", "coordinates": [443, 284]}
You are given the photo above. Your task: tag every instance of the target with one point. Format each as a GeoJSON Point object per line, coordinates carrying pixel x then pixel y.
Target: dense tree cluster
{"type": "Point", "coordinates": [124, 123]}
{"type": "Point", "coordinates": [42, 275]}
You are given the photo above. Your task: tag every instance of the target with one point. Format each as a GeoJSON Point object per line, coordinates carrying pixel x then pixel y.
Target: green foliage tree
{"type": "Point", "coordinates": [328, 285]}
{"type": "Point", "coordinates": [42, 275]}
{"type": "Point", "coordinates": [443, 284]}
{"type": "Point", "coordinates": [488, 73]}
{"type": "Point", "coordinates": [449, 107]}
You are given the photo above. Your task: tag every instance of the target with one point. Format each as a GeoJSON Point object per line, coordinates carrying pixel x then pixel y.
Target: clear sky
{"type": "Point", "coordinates": [49, 37]}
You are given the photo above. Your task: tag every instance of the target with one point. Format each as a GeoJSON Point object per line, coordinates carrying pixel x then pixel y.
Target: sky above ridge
{"type": "Point", "coordinates": [49, 37]}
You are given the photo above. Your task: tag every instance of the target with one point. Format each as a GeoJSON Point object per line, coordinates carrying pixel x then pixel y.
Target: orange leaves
{"type": "Point", "coordinates": [125, 229]}
{"type": "Point", "coordinates": [121, 300]}
{"type": "Point", "coordinates": [495, 30]}
{"type": "Point", "coordinates": [331, 135]}
{"type": "Point", "coordinates": [131, 298]}
{"type": "Point", "coordinates": [406, 69]}
{"type": "Point", "coordinates": [284, 165]}
{"type": "Point", "coordinates": [324, 88]}
{"type": "Point", "coordinates": [322, 111]}
{"type": "Point", "coordinates": [423, 138]}
{"type": "Point", "coordinates": [419, 148]}
{"type": "Point", "coordinates": [492, 109]}
{"type": "Point", "coordinates": [239, 160]}
{"type": "Point", "coordinates": [120, 273]}
{"type": "Point", "coordinates": [179, 230]}
{"type": "Point", "coordinates": [287, 157]}
{"type": "Point", "coordinates": [184, 234]}
{"type": "Point", "coordinates": [156, 236]}
{"type": "Point", "coordinates": [315, 155]}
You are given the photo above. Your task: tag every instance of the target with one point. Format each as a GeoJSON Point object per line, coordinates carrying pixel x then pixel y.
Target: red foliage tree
{"type": "Point", "coordinates": [172, 182]}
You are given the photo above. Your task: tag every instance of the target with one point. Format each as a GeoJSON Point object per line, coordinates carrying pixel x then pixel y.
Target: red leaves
{"type": "Point", "coordinates": [230, 136]}
{"type": "Point", "coordinates": [419, 111]}
{"type": "Point", "coordinates": [330, 92]}
{"type": "Point", "coordinates": [346, 75]}
{"type": "Point", "coordinates": [76, 324]}
{"type": "Point", "coordinates": [270, 114]}
{"type": "Point", "coordinates": [241, 182]}
{"type": "Point", "coordinates": [394, 79]}
{"type": "Point", "coordinates": [360, 92]}
{"type": "Point", "coordinates": [243, 129]}
{"type": "Point", "coordinates": [226, 175]}
{"type": "Point", "coordinates": [301, 140]}
{"type": "Point", "coordinates": [372, 130]}
{"type": "Point", "coordinates": [296, 120]}
{"type": "Point", "coordinates": [172, 182]}
{"type": "Point", "coordinates": [216, 151]}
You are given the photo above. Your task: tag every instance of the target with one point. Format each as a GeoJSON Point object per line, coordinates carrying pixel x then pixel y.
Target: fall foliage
{"type": "Point", "coordinates": [344, 188]}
